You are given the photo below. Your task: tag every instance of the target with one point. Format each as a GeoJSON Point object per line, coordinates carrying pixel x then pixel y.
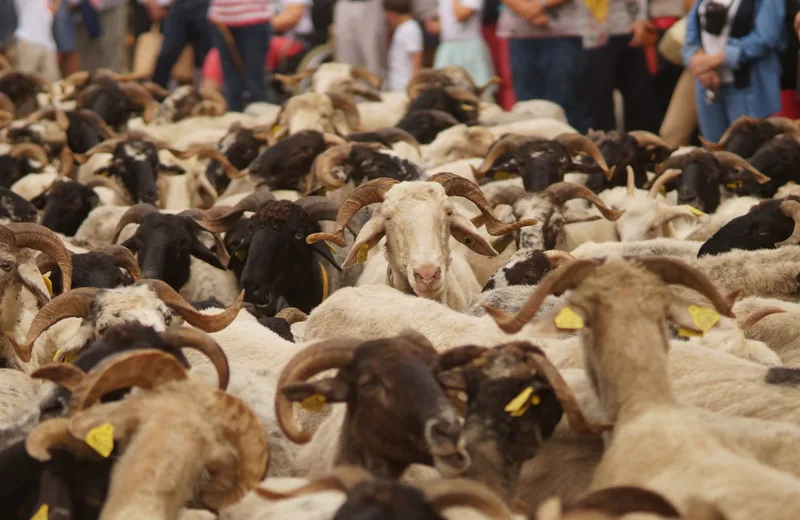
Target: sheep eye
{"type": "Point", "coordinates": [6, 266]}
{"type": "Point", "coordinates": [299, 236]}
{"type": "Point", "coordinates": [168, 320]}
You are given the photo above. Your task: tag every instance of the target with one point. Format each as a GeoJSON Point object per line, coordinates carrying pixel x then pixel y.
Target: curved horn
{"type": "Point", "coordinates": [387, 136]}
{"type": "Point", "coordinates": [418, 81]}
{"type": "Point", "coordinates": [202, 342]}
{"type": "Point", "coordinates": [63, 374]}
{"type": "Point", "coordinates": [48, 434]}
{"type": "Point", "coordinates": [556, 281]}
{"type": "Point", "coordinates": [674, 271]}
{"type": "Point", "coordinates": [494, 80]}
{"type": "Point", "coordinates": [370, 192]}
{"type": "Point", "coordinates": [74, 303]}
{"type": "Point", "coordinates": [209, 152]}
{"type": "Point", "coordinates": [784, 125]}
{"type": "Point", "coordinates": [313, 359]}
{"type": "Point", "coordinates": [97, 121]}
{"type": "Point", "coordinates": [319, 208]}
{"type": "Point", "coordinates": [40, 238]}
{"type": "Point", "coordinates": [292, 315]}
{"type": "Point", "coordinates": [106, 146]}
{"type": "Point", "coordinates": [226, 221]}
{"type": "Point", "coordinates": [100, 181]}
{"type": "Point", "coordinates": [45, 263]}
{"type": "Point", "coordinates": [292, 79]}
{"type": "Point", "coordinates": [322, 168]}
{"type": "Point", "coordinates": [135, 215]}
{"type": "Point", "coordinates": [142, 97]}
{"type": "Point", "coordinates": [446, 493]}
{"type": "Point", "coordinates": [662, 180]}
{"type": "Point", "coordinates": [791, 209]}
{"type": "Point", "coordinates": [77, 79]}
{"type": "Point", "coordinates": [507, 143]}
{"type": "Point", "coordinates": [364, 74]}
{"type": "Point", "coordinates": [752, 319]}
{"type": "Point", "coordinates": [6, 104]}
{"type": "Point", "coordinates": [630, 181]}
{"type": "Point", "coordinates": [123, 257]}
{"type": "Point", "coordinates": [340, 478]}
{"type": "Point", "coordinates": [462, 94]}
{"type": "Point", "coordinates": [215, 97]}
{"type": "Point", "coordinates": [143, 368]}
{"type": "Point", "coordinates": [6, 118]}
{"type": "Point", "coordinates": [723, 142]}
{"type": "Point", "coordinates": [31, 151]}
{"type": "Point", "coordinates": [561, 192]}
{"type": "Point", "coordinates": [204, 322]}
{"type": "Point", "coordinates": [731, 159]}
{"type": "Point", "coordinates": [577, 143]}
{"type": "Point", "coordinates": [347, 106]}
{"type": "Point", "coordinates": [456, 186]}
{"type": "Point", "coordinates": [644, 138]}
{"type": "Point", "coordinates": [558, 258]}
{"type": "Point", "coordinates": [507, 194]}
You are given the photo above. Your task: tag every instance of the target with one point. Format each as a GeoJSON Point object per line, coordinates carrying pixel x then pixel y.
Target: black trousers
{"type": "Point", "coordinates": [618, 66]}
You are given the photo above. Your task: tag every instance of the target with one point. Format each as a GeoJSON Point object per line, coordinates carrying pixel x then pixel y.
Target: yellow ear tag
{"type": "Point", "coordinates": [735, 184]}
{"type": "Point", "coordinates": [69, 358]}
{"type": "Point", "coordinates": [363, 251]}
{"type": "Point", "coordinates": [42, 514]}
{"type": "Point", "coordinates": [101, 439]}
{"type": "Point", "coordinates": [663, 190]}
{"type": "Point", "coordinates": [703, 317]}
{"type": "Point", "coordinates": [333, 251]}
{"type": "Point", "coordinates": [276, 130]}
{"type": "Point", "coordinates": [241, 254]}
{"type": "Point", "coordinates": [688, 333]}
{"type": "Point", "coordinates": [48, 283]}
{"type": "Point", "coordinates": [315, 403]}
{"type": "Point", "coordinates": [520, 404]}
{"type": "Point", "coordinates": [696, 212]}
{"type": "Point", "coordinates": [567, 319]}
{"type": "Point", "coordinates": [469, 241]}
{"type": "Point", "coordinates": [467, 107]}
{"type": "Point", "coordinates": [502, 176]}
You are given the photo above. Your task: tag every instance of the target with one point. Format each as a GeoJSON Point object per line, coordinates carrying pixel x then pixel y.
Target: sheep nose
{"type": "Point", "coordinates": [255, 294]}
{"type": "Point", "coordinates": [442, 435]}
{"type": "Point", "coordinates": [428, 274]}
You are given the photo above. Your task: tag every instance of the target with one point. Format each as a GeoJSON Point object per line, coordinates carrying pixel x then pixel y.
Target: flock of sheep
{"type": "Point", "coordinates": [478, 313]}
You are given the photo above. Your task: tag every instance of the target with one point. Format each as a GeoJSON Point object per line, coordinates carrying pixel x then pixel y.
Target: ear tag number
{"type": "Point", "coordinates": [363, 251]}
{"type": "Point", "coordinates": [567, 319]}
{"type": "Point", "coordinates": [101, 439]}
{"type": "Point", "coordinates": [315, 403]}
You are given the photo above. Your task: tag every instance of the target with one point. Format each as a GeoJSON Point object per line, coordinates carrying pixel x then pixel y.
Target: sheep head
{"type": "Point", "coordinates": [325, 113]}
{"type": "Point", "coordinates": [100, 268]}
{"type": "Point", "coordinates": [187, 101]}
{"type": "Point", "coordinates": [22, 159]}
{"type": "Point", "coordinates": [65, 205]}
{"type": "Point", "coordinates": [460, 103]}
{"type": "Point", "coordinates": [452, 76]}
{"type": "Point", "coordinates": [776, 158]}
{"type": "Point", "coordinates": [240, 145]}
{"type": "Point", "coordinates": [22, 89]}
{"type": "Point", "coordinates": [397, 414]}
{"type": "Point", "coordinates": [640, 150]}
{"type": "Point", "coordinates": [456, 143]}
{"type": "Point", "coordinates": [747, 134]}
{"type": "Point", "coordinates": [340, 78]}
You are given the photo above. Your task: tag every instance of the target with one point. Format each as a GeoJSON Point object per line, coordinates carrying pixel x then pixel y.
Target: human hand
{"type": "Point", "coordinates": [432, 26]}
{"type": "Point", "coordinates": [531, 10]}
{"type": "Point", "coordinates": [644, 34]}
{"type": "Point", "coordinates": [702, 62]}
{"type": "Point", "coordinates": [709, 80]}
{"type": "Point", "coordinates": [541, 21]}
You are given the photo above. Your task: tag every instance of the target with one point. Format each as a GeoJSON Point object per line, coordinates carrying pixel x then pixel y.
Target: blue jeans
{"type": "Point", "coordinates": [8, 21]}
{"type": "Point", "coordinates": [715, 118]}
{"type": "Point", "coordinates": [252, 41]}
{"type": "Point", "coordinates": [552, 69]}
{"type": "Point", "coordinates": [185, 22]}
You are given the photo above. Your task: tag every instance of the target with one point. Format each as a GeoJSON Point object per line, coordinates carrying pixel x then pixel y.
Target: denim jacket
{"type": "Point", "coordinates": [760, 49]}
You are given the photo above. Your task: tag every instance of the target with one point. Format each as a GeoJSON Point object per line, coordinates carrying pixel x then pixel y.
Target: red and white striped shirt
{"type": "Point", "coordinates": [235, 13]}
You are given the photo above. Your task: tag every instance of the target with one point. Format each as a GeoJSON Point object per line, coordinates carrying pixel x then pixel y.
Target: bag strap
{"type": "Point", "coordinates": [230, 43]}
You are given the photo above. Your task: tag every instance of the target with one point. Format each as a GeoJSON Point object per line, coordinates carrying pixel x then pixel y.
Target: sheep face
{"type": "Point", "coordinates": [309, 112]}
{"type": "Point", "coordinates": [111, 104]}
{"type": "Point", "coordinates": [16, 208]}
{"type": "Point", "coordinates": [93, 269]}
{"type": "Point", "coordinates": [240, 148]}
{"type": "Point", "coordinates": [698, 185]}
{"type": "Point", "coordinates": [526, 267]}
{"type": "Point", "coordinates": [621, 150]}
{"type": "Point", "coordinates": [284, 165]}
{"type": "Point", "coordinates": [137, 164]}
{"type": "Point", "coordinates": [164, 245]}
{"type": "Point", "coordinates": [66, 205]}
{"type": "Point", "coordinates": [745, 139]}
{"type": "Point", "coordinates": [465, 111]}
{"type": "Point", "coordinates": [425, 125]}
{"type": "Point", "coordinates": [130, 304]}
{"type": "Point", "coordinates": [761, 228]}
{"type": "Point", "coordinates": [13, 169]}
{"type": "Point", "coordinates": [275, 261]}
{"type": "Point", "coordinates": [82, 134]}
{"type": "Point", "coordinates": [646, 217]}
{"type": "Point", "coordinates": [777, 159]}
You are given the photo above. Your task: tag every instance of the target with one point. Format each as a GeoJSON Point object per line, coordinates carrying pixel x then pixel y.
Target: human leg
{"type": "Point", "coordinates": [712, 117]}
{"type": "Point", "coordinates": [372, 37]}
{"type": "Point", "coordinates": [232, 80]}
{"type": "Point", "coordinates": [112, 41]}
{"type": "Point", "coordinates": [28, 56]}
{"type": "Point", "coordinates": [345, 31]}
{"type": "Point", "coordinates": [174, 29]}
{"type": "Point", "coordinates": [562, 65]}
{"type": "Point", "coordinates": [525, 71]}
{"type": "Point", "coordinates": [253, 44]}
{"type": "Point", "coordinates": [200, 31]}
{"type": "Point", "coordinates": [642, 108]}
{"type": "Point", "coordinates": [48, 66]}
{"type": "Point", "coordinates": [600, 78]}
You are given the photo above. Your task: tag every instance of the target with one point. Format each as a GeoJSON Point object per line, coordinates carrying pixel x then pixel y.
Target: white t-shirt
{"type": "Point", "coordinates": [35, 23]}
{"type": "Point", "coordinates": [716, 44]}
{"type": "Point", "coordinates": [305, 25]}
{"type": "Point", "coordinates": [452, 29]}
{"type": "Point", "coordinates": [406, 40]}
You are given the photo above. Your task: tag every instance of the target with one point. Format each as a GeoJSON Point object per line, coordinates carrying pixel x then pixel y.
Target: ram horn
{"type": "Point", "coordinates": [752, 319]}
{"type": "Point", "coordinates": [319, 208]}
{"type": "Point", "coordinates": [100, 181]}
{"type": "Point", "coordinates": [194, 339]}
{"type": "Point", "coordinates": [106, 146]}
{"type": "Point", "coordinates": [123, 258]}
{"type": "Point", "coordinates": [420, 80]}
{"type": "Point", "coordinates": [340, 478]}
{"type": "Point", "coordinates": [577, 143]}
{"type": "Point", "coordinates": [40, 238]}
{"type": "Point", "coordinates": [506, 144]}
{"type": "Point", "coordinates": [630, 181]}
{"type": "Point", "coordinates": [6, 104]}
{"type": "Point", "coordinates": [733, 160]}
{"type": "Point", "coordinates": [142, 97]}
{"type": "Point", "coordinates": [66, 375]}
{"type": "Point", "coordinates": [213, 95]}
{"type": "Point", "coordinates": [293, 79]}
{"type": "Point", "coordinates": [312, 360]}
{"type": "Point", "coordinates": [479, 90]}
{"type": "Point", "coordinates": [662, 180]}
{"type": "Point", "coordinates": [83, 97]}
{"type": "Point", "coordinates": [77, 79]}
{"type": "Point", "coordinates": [557, 258]}
{"type": "Point", "coordinates": [561, 192]}
{"type": "Point", "coordinates": [75, 303]}
{"type": "Point", "coordinates": [676, 272]}
{"type": "Point", "coordinates": [292, 315]}
{"type": "Point", "coordinates": [31, 151]}
{"type": "Point", "coordinates": [364, 74]}
{"type": "Point", "coordinates": [791, 209]}
{"type": "Point", "coordinates": [463, 95]}
{"type": "Point", "coordinates": [225, 222]}
{"type": "Point", "coordinates": [243, 429]}
{"type": "Point", "coordinates": [446, 493]}
{"type": "Point", "coordinates": [143, 368]}
{"type": "Point", "coordinates": [209, 152]}
{"type": "Point", "coordinates": [53, 432]}
{"type": "Point", "coordinates": [387, 137]}
{"type": "Point", "coordinates": [204, 322]}
{"type": "Point", "coordinates": [784, 125]}
{"type": "Point", "coordinates": [322, 168]}
{"type": "Point", "coordinates": [644, 138]}
{"type": "Point", "coordinates": [370, 192]}
{"type": "Point", "coordinates": [134, 215]}
{"type": "Point", "coordinates": [49, 113]}
{"type": "Point", "coordinates": [349, 109]}
{"type": "Point", "coordinates": [556, 281]}
{"type": "Point", "coordinates": [508, 194]}
{"type": "Point", "coordinates": [456, 186]}
{"type": "Point", "coordinates": [735, 126]}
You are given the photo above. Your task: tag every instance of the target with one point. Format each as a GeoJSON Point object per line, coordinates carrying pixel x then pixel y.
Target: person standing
{"type": "Point", "coordinates": [732, 48]}
{"type": "Point", "coordinates": [241, 35]}
{"type": "Point", "coordinates": [183, 22]}
{"type": "Point", "coordinates": [102, 44]}
{"type": "Point", "coordinates": [405, 52]}
{"type": "Point", "coordinates": [545, 51]}
{"type": "Point", "coordinates": [35, 48]}
{"type": "Point", "coordinates": [359, 34]}
{"type": "Point", "coordinates": [461, 42]}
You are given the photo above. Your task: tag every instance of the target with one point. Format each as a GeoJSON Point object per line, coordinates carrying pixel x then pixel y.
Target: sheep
{"type": "Point", "coordinates": [542, 127]}
{"type": "Point", "coordinates": [540, 161]}
{"type": "Point", "coordinates": [654, 247]}
{"type": "Point", "coordinates": [727, 211]}
{"type": "Point", "coordinates": [240, 145]}
{"type": "Point", "coordinates": [21, 89]}
{"type": "Point", "coordinates": [326, 113]}
{"type": "Point", "coordinates": [455, 143]}
{"type": "Point", "coordinates": [639, 150]}
{"type": "Point", "coordinates": [65, 205]}
{"type": "Point", "coordinates": [111, 97]}
{"type": "Point", "coordinates": [14, 208]}
{"type": "Point", "coordinates": [46, 127]}
{"type": "Point", "coordinates": [86, 130]}
{"type": "Point", "coordinates": [187, 101]}
{"type": "Point", "coordinates": [340, 78]}
{"type": "Point", "coordinates": [772, 322]}
{"type": "Point", "coordinates": [452, 76]}
{"type": "Point", "coordinates": [777, 158]}
{"type": "Point", "coordinates": [100, 268]}
{"type": "Point", "coordinates": [460, 103]}
{"type": "Point", "coordinates": [747, 134]}
{"type": "Point", "coordinates": [21, 160]}
{"type": "Point", "coordinates": [425, 124]}
{"type": "Point", "coordinates": [418, 260]}
{"type": "Point", "coordinates": [639, 398]}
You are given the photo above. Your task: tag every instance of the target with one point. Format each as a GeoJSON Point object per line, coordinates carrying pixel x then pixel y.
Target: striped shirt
{"type": "Point", "coordinates": [235, 13]}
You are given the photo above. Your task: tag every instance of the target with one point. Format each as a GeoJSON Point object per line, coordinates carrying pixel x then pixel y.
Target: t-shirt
{"type": "Point", "coordinates": [35, 23]}
{"type": "Point", "coordinates": [236, 13]}
{"type": "Point", "coordinates": [452, 29]}
{"type": "Point", "coordinates": [407, 39]}
{"type": "Point", "coordinates": [305, 25]}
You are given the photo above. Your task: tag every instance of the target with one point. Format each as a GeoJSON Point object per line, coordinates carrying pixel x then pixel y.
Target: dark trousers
{"type": "Point", "coordinates": [618, 66]}
{"type": "Point", "coordinates": [551, 69]}
{"type": "Point", "coordinates": [252, 42]}
{"type": "Point", "coordinates": [186, 22]}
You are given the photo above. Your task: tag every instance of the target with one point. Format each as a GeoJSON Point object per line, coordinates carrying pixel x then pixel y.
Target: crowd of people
{"type": "Point", "coordinates": [738, 57]}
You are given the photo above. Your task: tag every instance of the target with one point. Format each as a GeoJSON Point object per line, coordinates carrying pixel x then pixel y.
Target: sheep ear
{"type": "Point", "coordinates": [465, 232]}
{"type": "Point", "coordinates": [694, 319]}
{"type": "Point", "coordinates": [330, 390]}
{"type": "Point", "coordinates": [31, 278]}
{"type": "Point", "coordinates": [367, 238]}
{"type": "Point", "coordinates": [322, 249]}
{"type": "Point", "coordinates": [201, 252]}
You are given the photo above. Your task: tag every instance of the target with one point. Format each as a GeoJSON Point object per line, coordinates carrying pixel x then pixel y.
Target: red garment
{"type": "Point", "coordinates": [498, 47]}
{"type": "Point", "coordinates": [790, 106]}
